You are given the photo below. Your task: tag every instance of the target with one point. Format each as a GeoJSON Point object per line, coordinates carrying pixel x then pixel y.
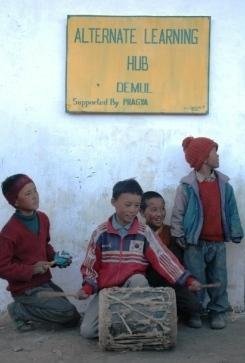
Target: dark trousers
{"type": "Point", "coordinates": [29, 306]}
{"type": "Point", "coordinates": [186, 301]}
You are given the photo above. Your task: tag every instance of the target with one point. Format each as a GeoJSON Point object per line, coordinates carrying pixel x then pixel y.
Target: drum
{"type": "Point", "coordinates": [137, 318]}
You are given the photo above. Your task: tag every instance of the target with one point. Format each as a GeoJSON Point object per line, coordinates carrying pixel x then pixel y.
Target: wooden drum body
{"type": "Point", "coordinates": [137, 318]}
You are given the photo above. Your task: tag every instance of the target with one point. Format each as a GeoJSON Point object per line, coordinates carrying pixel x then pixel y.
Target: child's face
{"type": "Point", "coordinates": [127, 206]}
{"type": "Point", "coordinates": [28, 199]}
{"type": "Point", "coordinates": [155, 212]}
{"type": "Point", "coordinates": [213, 159]}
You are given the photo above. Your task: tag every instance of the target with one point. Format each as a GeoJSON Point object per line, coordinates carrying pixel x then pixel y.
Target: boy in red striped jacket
{"type": "Point", "coordinates": [119, 252]}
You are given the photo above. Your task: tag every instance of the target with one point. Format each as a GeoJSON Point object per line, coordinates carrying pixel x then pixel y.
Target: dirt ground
{"type": "Point", "coordinates": [193, 345]}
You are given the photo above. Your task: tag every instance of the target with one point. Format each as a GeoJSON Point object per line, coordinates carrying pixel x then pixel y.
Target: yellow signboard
{"type": "Point", "coordinates": [129, 64]}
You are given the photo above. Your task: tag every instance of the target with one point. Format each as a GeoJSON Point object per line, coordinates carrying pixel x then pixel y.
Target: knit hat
{"type": "Point", "coordinates": [197, 150]}
{"type": "Point", "coordinates": [13, 185]}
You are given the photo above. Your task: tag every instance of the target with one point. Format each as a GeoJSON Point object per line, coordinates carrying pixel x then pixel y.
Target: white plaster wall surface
{"type": "Point", "coordinates": [76, 159]}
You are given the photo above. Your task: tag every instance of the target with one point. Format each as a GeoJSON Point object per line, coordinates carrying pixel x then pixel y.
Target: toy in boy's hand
{"type": "Point", "coordinates": [63, 259]}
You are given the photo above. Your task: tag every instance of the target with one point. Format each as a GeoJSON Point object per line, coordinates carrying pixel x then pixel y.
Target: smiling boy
{"type": "Point", "coordinates": [153, 210]}
{"type": "Point", "coordinates": [119, 252]}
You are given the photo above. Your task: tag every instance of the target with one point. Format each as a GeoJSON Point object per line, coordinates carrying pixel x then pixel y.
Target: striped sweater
{"type": "Point", "coordinates": [110, 260]}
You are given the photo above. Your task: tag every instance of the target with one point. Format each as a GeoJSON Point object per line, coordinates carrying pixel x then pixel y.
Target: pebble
{"type": "Point", "coordinates": [18, 349]}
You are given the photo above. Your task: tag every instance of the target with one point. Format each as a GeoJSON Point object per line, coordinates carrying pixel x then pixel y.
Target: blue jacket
{"type": "Point", "coordinates": [187, 215]}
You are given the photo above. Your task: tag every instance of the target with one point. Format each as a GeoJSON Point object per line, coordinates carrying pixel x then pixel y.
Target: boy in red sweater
{"type": "Point", "coordinates": [153, 210]}
{"type": "Point", "coordinates": [204, 217]}
{"type": "Point", "coordinates": [26, 257]}
{"type": "Point", "coordinates": [119, 252]}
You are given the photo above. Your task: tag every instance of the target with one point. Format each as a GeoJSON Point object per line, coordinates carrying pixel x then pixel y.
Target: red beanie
{"type": "Point", "coordinates": [12, 192]}
{"type": "Point", "coordinates": [197, 150]}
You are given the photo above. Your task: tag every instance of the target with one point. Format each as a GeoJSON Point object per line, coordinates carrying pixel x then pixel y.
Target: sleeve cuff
{"type": "Point", "coordinates": [182, 280]}
{"type": "Point", "coordinates": [236, 240]}
{"type": "Point", "coordinates": [189, 281]}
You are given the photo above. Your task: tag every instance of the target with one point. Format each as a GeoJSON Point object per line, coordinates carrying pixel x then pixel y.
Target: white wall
{"type": "Point", "coordinates": [76, 159]}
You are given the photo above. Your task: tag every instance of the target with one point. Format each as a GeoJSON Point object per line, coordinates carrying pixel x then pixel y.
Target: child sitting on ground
{"type": "Point", "coordinates": [153, 210]}
{"type": "Point", "coordinates": [120, 251]}
{"type": "Point", "coordinates": [25, 260]}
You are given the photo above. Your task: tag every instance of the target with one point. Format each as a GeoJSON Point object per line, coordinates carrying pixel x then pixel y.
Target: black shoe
{"type": "Point", "coordinates": [195, 321]}
{"type": "Point", "coordinates": [24, 326]}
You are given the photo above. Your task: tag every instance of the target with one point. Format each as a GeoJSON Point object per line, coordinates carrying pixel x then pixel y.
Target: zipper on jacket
{"type": "Point", "coordinates": [120, 259]}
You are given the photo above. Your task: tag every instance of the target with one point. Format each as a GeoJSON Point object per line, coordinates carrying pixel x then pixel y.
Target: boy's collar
{"type": "Point", "coordinates": [201, 177]}
{"type": "Point", "coordinates": [116, 225]}
{"type": "Point", "coordinates": [133, 228]}
{"type": "Point", "coordinates": [25, 217]}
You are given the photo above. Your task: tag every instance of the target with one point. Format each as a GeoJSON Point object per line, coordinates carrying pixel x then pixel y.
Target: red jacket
{"type": "Point", "coordinates": [111, 260]}
{"type": "Point", "coordinates": [20, 249]}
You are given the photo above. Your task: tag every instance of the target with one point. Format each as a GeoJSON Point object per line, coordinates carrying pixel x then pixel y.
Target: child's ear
{"type": "Point", "coordinates": [205, 161]}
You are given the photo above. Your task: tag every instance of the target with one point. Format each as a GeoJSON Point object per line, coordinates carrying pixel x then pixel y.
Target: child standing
{"type": "Point", "coordinates": [205, 216]}
{"type": "Point", "coordinates": [153, 210]}
{"type": "Point", "coordinates": [120, 251]}
{"type": "Point", "coordinates": [26, 257]}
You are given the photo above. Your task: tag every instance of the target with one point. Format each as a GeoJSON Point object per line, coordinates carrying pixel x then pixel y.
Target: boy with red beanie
{"type": "Point", "coordinates": [205, 216]}
{"type": "Point", "coordinates": [25, 260]}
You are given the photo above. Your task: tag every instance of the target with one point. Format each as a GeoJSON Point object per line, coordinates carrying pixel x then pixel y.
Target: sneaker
{"type": "Point", "coordinates": [24, 326]}
{"type": "Point", "coordinates": [217, 321]}
{"type": "Point", "coordinates": [195, 321]}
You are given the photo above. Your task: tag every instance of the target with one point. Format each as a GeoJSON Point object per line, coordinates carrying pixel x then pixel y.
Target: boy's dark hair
{"type": "Point", "coordinates": [148, 195]}
{"type": "Point", "coordinates": [8, 183]}
{"type": "Point", "coordinates": [126, 186]}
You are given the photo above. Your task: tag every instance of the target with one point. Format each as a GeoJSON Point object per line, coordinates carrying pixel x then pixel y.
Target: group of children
{"type": "Point", "coordinates": [123, 251]}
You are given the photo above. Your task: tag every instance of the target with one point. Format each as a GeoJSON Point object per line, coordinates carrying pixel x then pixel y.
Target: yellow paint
{"type": "Point", "coordinates": [155, 65]}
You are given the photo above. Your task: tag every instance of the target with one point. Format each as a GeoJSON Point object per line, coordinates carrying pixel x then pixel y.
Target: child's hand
{"type": "Point", "coordinates": [181, 242]}
{"type": "Point", "coordinates": [81, 295]}
{"type": "Point", "coordinates": [62, 260]}
{"type": "Point", "coordinates": [195, 285]}
{"type": "Point", "coordinates": [41, 267]}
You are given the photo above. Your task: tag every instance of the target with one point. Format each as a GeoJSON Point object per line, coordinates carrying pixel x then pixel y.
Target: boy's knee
{"type": "Point", "coordinates": [137, 280]}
